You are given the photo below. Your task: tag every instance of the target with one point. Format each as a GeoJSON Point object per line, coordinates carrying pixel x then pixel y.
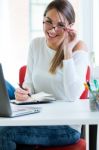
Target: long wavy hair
{"type": "Point", "coordinates": [66, 9]}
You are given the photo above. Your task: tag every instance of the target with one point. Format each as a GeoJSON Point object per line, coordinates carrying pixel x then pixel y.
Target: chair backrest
{"type": "Point", "coordinates": [84, 95]}
{"type": "Point", "coordinates": [22, 72]}
{"type": "Point", "coordinates": [85, 92]}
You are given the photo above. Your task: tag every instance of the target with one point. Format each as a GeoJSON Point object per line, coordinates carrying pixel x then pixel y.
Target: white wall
{"type": "Point", "coordinates": [96, 31]}
{"type": "Point", "coordinates": [14, 37]}
{"type": "Point", "coordinates": [86, 22]}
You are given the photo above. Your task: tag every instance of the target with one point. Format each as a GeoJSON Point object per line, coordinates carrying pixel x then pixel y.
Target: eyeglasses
{"type": "Point", "coordinates": [59, 28]}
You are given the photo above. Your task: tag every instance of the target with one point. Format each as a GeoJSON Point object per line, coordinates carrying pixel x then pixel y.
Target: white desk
{"type": "Point", "coordinates": [57, 113]}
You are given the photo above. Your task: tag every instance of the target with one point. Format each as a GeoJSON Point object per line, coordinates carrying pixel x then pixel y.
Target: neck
{"type": "Point", "coordinates": [53, 47]}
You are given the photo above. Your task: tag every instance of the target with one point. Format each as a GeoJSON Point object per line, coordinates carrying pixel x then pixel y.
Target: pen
{"type": "Point", "coordinates": [24, 89]}
{"type": "Point", "coordinates": [86, 86]}
{"type": "Point", "coordinates": [96, 84]}
{"type": "Point", "coordinates": [89, 87]}
{"type": "Point", "coordinates": [91, 91]}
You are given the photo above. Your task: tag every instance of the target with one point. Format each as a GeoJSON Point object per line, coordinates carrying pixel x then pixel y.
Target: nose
{"type": "Point", "coordinates": [54, 28]}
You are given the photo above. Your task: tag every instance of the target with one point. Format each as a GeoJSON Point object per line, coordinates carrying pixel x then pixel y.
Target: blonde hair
{"type": "Point", "coordinates": [57, 60]}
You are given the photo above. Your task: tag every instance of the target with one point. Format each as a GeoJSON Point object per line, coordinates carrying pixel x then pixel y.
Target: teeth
{"type": "Point", "coordinates": [52, 35]}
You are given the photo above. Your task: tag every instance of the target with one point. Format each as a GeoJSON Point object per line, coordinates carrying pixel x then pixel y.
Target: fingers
{"type": "Point", "coordinates": [21, 94]}
{"type": "Point", "coordinates": [70, 41]}
{"type": "Point", "coordinates": [71, 33]}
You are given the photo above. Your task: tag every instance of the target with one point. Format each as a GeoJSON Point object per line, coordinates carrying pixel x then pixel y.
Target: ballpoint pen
{"type": "Point", "coordinates": [86, 86]}
{"type": "Point", "coordinates": [89, 87]}
{"type": "Point", "coordinates": [91, 91]}
{"type": "Point", "coordinates": [24, 89]}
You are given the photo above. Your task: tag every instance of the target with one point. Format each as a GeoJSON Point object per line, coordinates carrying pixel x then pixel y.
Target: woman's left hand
{"type": "Point", "coordinates": [69, 42]}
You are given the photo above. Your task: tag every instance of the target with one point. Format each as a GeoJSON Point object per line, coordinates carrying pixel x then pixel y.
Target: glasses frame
{"type": "Point", "coordinates": [50, 26]}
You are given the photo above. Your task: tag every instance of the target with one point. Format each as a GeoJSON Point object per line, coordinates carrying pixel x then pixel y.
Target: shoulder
{"type": "Point", "coordinates": [36, 44]}
{"type": "Point", "coordinates": [80, 45]}
{"type": "Point", "coordinates": [37, 41]}
{"type": "Point", "coordinates": [80, 53]}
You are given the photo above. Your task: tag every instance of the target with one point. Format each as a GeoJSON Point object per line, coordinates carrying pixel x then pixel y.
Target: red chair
{"type": "Point", "coordinates": [85, 93]}
{"type": "Point", "coordinates": [22, 72]}
{"type": "Point", "coordinates": [81, 144]}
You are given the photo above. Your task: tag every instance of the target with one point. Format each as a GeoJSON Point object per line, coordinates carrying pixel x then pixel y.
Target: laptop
{"type": "Point", "coordinates": [11, 110]}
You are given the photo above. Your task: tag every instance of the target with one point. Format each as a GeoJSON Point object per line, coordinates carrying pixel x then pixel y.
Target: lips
{"type": "Point", "coordinates": [52, 35]}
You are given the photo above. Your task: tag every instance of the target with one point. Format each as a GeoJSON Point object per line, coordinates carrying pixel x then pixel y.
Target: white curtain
{"type": "Point", "coordinates": [14, 37]}
{"type": "Point", "coordinates": [5, 43]}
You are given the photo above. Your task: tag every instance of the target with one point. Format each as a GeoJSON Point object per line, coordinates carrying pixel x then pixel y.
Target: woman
{"type": "Point", "coordinates": [57, 64]}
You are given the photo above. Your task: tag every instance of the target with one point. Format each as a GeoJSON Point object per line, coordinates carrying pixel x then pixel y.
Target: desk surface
{"type": "Point", "coordinates": [57, 113]}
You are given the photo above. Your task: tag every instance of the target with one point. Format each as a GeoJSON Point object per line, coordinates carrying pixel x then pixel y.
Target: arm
{"type": "Point", "coordinates": [74, 74]}
{"type": "Point", "coordinates": [75, 64]}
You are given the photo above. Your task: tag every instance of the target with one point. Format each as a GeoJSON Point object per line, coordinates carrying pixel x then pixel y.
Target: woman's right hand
{"type": "Point", "coordinates": [22, 94]}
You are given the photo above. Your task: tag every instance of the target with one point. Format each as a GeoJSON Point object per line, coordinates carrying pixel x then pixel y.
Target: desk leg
{"type": "Point", "coordinates": [93, 137]}
{"type": "Point", "coordinates": [97, 136]}
{"type": "Point", "coordinates": [87, 136]}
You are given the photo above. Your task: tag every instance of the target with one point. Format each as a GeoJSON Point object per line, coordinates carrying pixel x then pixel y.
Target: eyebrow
{"type": "Point", "coordinates": [49, 18]}
{"type": "Point", "coordinates": [52, 20]}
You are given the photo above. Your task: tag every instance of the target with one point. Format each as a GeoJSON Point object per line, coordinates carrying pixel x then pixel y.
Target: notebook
{"type": "Point", "coordinates": [10, 110]}
{"type": "Point", "coordinates": [38, 98]}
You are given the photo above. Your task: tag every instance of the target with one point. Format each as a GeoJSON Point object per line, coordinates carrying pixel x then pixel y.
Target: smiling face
{"type": "Point", "coordinates": [54, 25]}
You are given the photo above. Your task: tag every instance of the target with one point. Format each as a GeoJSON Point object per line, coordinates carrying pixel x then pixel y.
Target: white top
{"type": "Point", "coordinates": [67, 83]}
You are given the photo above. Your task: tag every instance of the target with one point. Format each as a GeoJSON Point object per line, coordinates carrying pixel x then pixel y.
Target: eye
{"type": "Point", "coordinates": [61, 25]}
{"type": "Point", "coordinates": [48, 21]}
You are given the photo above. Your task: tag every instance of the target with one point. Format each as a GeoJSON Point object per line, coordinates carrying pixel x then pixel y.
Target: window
{"type": "Point", "coordinates": [96, 31]}
{"type": "Point", "coordinates": [36, 17]}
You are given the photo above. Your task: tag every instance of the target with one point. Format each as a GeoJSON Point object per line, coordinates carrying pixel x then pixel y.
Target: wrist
{"type": "Point", "coordinates": [67, 54]}
{"type": "Point", "coordinates": [67, 57]}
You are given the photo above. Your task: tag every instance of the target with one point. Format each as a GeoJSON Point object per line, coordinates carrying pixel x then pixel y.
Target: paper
{"type": "Point", "coordinates": [36, 98]}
